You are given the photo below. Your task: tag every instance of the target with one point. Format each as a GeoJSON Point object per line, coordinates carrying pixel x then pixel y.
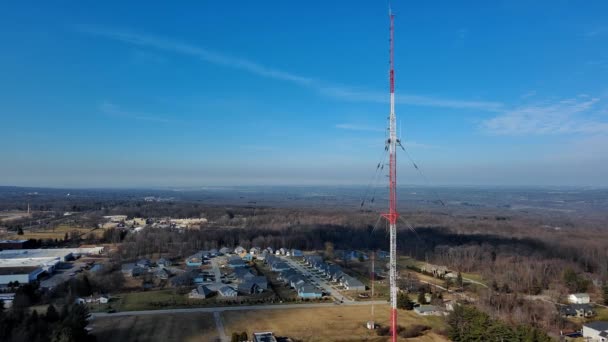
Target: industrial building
{"type": "Point", "coordinates": [15, 244]}
{"type": "Point", "coordinates": [26, 265]}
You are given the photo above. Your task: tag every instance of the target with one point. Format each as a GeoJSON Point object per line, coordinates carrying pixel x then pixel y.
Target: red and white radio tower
{"type": "Point", "coordinates": [392, 214]}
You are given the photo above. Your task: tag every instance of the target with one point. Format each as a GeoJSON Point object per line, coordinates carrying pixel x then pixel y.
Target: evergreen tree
{"type": "Point", "coordinates": [459, 280]}
{"type": "Point", "coordinates": [51, 314]}
{"type": "Point", "coordinates": [404, 302]}
{"type": "Point", "coordinates": [421, 298]}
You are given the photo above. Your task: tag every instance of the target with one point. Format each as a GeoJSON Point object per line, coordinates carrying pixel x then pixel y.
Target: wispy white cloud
{"type": "Point", "coordinates": [414, 100]}
{"type": "Point", "coordinates": [596, 31]}
{"type": "Point", "coordinates": [566, 116]}
{"type": "Point", "coordinates": [111, 109]}
{"type": "Point", "coordinates": [204, 54]}
{"type": "Point", "coordinates": [358, 127]}
{"type": "Point", "coordinates": [531, 93]}
{"type": "Point", "coordinates": [324, 88]}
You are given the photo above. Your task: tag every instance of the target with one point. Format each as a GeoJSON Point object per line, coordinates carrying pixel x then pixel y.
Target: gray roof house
{"type": "Point", "coordinates": [243, 274]}
{"type": "Point", "coordinates": [236, 262]}
{"type": "Point", "coordinates": [429, 310]}
{"type": "Point", "coordinates": [261, 282]}
{"type": "Point", "coordinates": [249, 287]}
{"type": "Point", "coordinates": [309, 291]}
{"type": "Point", "coordinates": [201, 291]}
{"type": "Point", "coordinates": [162, 273]}
{"type": "Point", "coordinates": [143, 263]}
{"type": "Point", "coordinates": [163, 262]}
{"type": "Point", "coordinates": [352, 284]}
{"type": "Point", "coordinates": [577, 310]}
{"type": "Point", "coordinates": [596, 331]}
{"type": "Point", "coordinates": [227, 291]}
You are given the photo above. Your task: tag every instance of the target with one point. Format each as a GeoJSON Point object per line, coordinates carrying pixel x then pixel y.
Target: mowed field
{"type": "Point", "coordinates": [156, 328]}
{"type": "Point", "coordinates": [339, 323]}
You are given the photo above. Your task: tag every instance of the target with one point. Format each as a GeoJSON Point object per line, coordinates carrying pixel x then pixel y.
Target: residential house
{"type": "Point", "coordinates": [248, 288]}
{"type": "Point", "coordinates": [262, 256]}
{"type": "Point", "coordinates": [436, 271]}
{"type": "Point", "coordinates": [296, 253]}
{"type": "Point", "coordinates": [352, 284]}
{"type": "Point", "coordinates": [309, 291]}
{"type": "Point", "coordinates": [255, 251]}
{"type": "Point", "coordinates": [137, 271]}
{"type": "Point", "coordinates": [236, 262]}
{"type": "Point", "coordinates": [162, 273]}
{"type": "Point", "coordinates": [163, 262]}
{"type": "Point", "coordinates": [247, 257]}
{"type": "Point", "coordinates": [267, 336]}
{"type": "Point", "coordinates": [213, 252]}
{"type": "Point", "coordinates": [240, 250]}
{"type": "Point", "coordinates": [283, 251]}
{"type": "Point", "coordinates": [279, 266]}
{"type": "Point", "coordinates": [194, 261]}
{"type": "Point", "coordinates": [227, 291]}
{"type": "Point", "coordinates": [429, 310]}
{"type": "Point", "coordinates": [596, 331]}
{"type": "Point", "coordinates": [225, 250]}
{"type": "Point", "coordinates": [243, 274]}
{"type": "Point", "coordinates": [197, 277]}
{"type": "Point", "coordinates": [143, 263]}
{"type": "Point", "coordinates": [579, 298]}
{"type": "Point", "coordinates": [261, 282]}
{"type": "Point", "coordinates": [201, 291]}
{"type": "Point", "coordinates": [577, 310]}
{"type": "Point", "coordinates": [313, 259]}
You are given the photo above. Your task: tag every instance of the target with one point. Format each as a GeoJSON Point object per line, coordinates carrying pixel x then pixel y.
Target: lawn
{"type": "Point", "coordinates": [340, 323]}
{"type": "Point", "coordinates": [156, 328]}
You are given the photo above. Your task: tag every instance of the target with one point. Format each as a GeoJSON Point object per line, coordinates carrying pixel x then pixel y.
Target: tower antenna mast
{"type": "Point", "coordinates": [392, 215]}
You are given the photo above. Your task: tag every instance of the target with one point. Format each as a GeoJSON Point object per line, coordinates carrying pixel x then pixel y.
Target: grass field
{"type": "Point", "coordinates": [156, 328]}
{"type": "Point", "coordinates": [54, 233]}
{"type": "Point", "coordinates": [340, 323]}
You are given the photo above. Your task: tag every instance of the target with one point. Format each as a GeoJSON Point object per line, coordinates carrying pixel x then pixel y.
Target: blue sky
{"type": "Point", "coordinates": [229, 93]}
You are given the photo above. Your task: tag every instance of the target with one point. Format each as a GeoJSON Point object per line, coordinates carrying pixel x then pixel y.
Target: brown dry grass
{"type": "Point", "coordinates": [340, 323]}
{"type": "Point", "coordinates": [156, 328]}
{"type": "Point", "coordinates": [54, 233]}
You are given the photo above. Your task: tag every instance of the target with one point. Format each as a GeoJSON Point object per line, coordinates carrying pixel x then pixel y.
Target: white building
{"type": "Point", "coordinates": [579, 298]}
{"type": "Point", "coordinates": [596, 331]}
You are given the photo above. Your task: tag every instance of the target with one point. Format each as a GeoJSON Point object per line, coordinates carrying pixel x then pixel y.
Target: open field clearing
{"type": "Point", "coordinates": [55, 233]}
{"type": "Point", "coordinates": [340, 323]}
{"type": "Point", "coordinates": [156, 328]}
{"type": "Point", "coordinates": [12, 215]}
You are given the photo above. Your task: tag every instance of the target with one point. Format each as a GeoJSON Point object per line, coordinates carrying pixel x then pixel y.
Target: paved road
{"type": "Point", "coordinates": [220, 326]}
{"type": "Point", "coordinates": [322, 282]}
{"type": "Point", "coordinates": [233, 308]}
{"type": "Point", "coordinates": [216, 270]}
{"type": "Point", "coordinates": [467, 280]}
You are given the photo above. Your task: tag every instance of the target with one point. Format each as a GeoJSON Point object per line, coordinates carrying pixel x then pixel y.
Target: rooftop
{"type": "Point", "coordinates": [598, 325]}
{"type": "Point", "coordinates": [18, 270]}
